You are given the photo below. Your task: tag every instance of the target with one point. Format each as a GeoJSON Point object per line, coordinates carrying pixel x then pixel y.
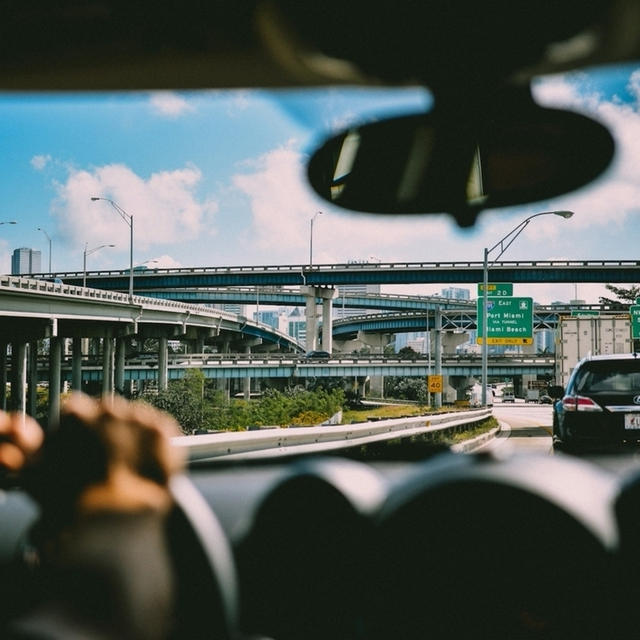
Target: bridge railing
{"type": "Point", "coordinates": [87, 294]}
{"type": "Point", "coordinates": [508, 264]}
{"type": "Point", "coordinates": [304, 440]}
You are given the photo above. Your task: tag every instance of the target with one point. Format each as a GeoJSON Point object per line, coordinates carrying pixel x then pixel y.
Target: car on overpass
{"type": "Point", "coordinates": [317, 542]}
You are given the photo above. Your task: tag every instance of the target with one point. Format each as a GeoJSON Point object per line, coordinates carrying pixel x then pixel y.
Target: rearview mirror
{"type": "Point", "coordinates": [447, 161]}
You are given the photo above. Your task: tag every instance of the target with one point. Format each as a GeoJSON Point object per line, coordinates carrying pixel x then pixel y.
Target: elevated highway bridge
{"type": "Point", "coordinates": [457, 272]}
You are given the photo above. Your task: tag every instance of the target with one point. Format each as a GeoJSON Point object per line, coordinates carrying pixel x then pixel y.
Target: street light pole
{"type": "Point", "coordinates": [315, 215]}
{"type": "Point", "coordinates": [503, 245]}
{"type": "Point", "coordinates": [88, 253]}
{"type": "Point", "coordinates": [128, 218]}
{"type": "Point", "coordinates": [49, 239]}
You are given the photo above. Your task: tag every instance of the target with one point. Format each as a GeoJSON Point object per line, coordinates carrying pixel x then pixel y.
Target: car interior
{"type": "Point", "coordinates": [350, 546]}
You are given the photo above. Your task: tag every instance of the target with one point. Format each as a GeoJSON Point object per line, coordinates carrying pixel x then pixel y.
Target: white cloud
{"type": "Point", "coordinates": [169, 104]}
{"type": "Point", "coordinates": [282, 207]}
{"type": "Point", "coordinates": [163, 262]}
{"type": "Point", "coordinates": [164, 207]}
{"type": "Point", "coordinates": [611, 200]}
{"type": "Point", "coordinates": [39, 162]}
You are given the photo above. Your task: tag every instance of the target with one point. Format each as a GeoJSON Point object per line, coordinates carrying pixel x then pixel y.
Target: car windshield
{"type": "Point", "coordinates": [292, 297]}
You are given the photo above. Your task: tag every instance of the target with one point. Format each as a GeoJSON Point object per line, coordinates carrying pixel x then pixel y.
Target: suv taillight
{"type": "Point", "coordinates": [579, 403]}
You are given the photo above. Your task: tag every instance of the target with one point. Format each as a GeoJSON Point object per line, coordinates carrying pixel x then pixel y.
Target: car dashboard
{"type": "Point", "coordinates": [525, 546]}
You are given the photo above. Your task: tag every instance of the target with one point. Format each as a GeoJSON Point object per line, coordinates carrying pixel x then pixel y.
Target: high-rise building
{"type": "Point", "coordinates": [352, 290]}
{"type": "Point", "coordinates": [25, 260]}
{"type": "Point", "coordinates": [297, 325]}
{"type": "Point", "coordinates": [455, 293]}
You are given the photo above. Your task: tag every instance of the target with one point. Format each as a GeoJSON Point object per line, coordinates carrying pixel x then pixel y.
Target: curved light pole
{"type": "Point", "coordinates": [49, 239]}
{"type": "Point", "coordinates": [88, 252]}
{"type": "Point", "coordinates": [313, 217]}
{"type": "Point", "coordinates": [128, 218]}
{"type": "Point", "coordinates": [503, 245]}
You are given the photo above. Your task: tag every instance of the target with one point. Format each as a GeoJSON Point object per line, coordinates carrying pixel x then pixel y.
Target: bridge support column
{"type": "Point", "coordinates": [119, 364]}
{"type": "Point", "coordinates": [246, 382]}
{"type": "Point", "coordinates": [311, 318]}
{"type": "Point", "coordinates": [19, 377]}
{"type": "Point", "coordinates": [326, 294]}
{"type": "Point", "coordinates": [3, 376]}
{"type": "Point", "coordinates": [437, 397]}
{"type": "Point", "coordinates": [163, 363]}
{"type": "Point", "coordinates": [450, 340]}
{"type": "Point", "coordinates": [32, 387]}
{"type": "Point", "coordinates": [55, 363]}
{"type": "Point", "coordinates": [76, 364]}
{"type": "Point", "coordinates": [327, 324]}
{"type": "Point", "coordinates": [376, 386]}
{"type": "Point", "coordinates": [107, 365]}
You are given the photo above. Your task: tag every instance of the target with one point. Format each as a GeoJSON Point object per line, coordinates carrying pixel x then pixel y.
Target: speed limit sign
{"type": "Point", "coordinates": [434, 384]}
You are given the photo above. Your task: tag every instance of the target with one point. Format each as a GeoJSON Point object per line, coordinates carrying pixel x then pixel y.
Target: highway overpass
{"type": "Point", "coordinates": [531, 271]}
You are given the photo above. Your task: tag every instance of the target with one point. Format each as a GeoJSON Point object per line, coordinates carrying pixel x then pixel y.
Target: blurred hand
{"type": "Point", "coordinates": [137, 459]}
{"type": "Point", "coordinates": [105, 454]}
{"type": "Point", "coordinates": [20, 439]}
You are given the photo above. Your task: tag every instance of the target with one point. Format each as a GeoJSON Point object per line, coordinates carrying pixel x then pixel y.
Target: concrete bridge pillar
{"type": "Point", "coordinates": [163, 363]}
{"type": "Point", "coordinates": [19, 375]}
{"type": "Point", "coordinates": [327, 324]}
{"type": "Point", "coordinates": [376, 386]}
{"type": "Point", "coordinates": [311, 318]}
{"type": "Point", "coordinates": [55, 363]}
{"type": "Point", "coordinates": [76, 363]}
{"type": "Point", "coordinates": [437, 397]}
{"type": "Point", "coordinates": [451, 340]}
{"type": "Point", "coordinates": [121, 346]}
{"type": "Point", "coordinates": [246, 382]}
{"type": "Point", "coordinates": [32, 387]}
{"type": "Point", "coordinates": [326, 294]}
{"type": "Point", "coordinates": [107, 365]}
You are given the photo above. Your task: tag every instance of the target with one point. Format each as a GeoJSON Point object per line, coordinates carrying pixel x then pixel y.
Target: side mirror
{"type": "Point", "coordinates": [556, 392]}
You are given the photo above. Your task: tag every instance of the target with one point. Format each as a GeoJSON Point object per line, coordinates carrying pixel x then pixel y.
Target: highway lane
{"type": "Point", "coordinates": [526, 429]}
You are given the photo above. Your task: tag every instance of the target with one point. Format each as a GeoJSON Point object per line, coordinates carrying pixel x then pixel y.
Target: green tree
{"type": "Point", "coordinates": [623, 295]}
{"type": "Point", "coordinates": [406, 388]}
{"type": "Point", "coordinates": [184, 399]}
{"type": "Point", "coordinates": [407, 352]}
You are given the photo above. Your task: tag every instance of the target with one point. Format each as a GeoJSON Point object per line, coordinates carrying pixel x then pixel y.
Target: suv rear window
{"type": "Point", "coordinates": [609, 377]}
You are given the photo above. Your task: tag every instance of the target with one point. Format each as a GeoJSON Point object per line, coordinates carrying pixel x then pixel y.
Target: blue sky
{"type": "Point", "coordinates": [216, 178]}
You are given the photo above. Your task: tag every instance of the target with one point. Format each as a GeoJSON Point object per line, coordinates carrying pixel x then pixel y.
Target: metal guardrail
{"type": "Point", "coordinates": [306, 440]}
{"type": "Point", "coordinates": [229, 359]}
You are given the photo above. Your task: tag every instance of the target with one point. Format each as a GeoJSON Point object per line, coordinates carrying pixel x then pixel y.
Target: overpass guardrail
{"type": "Point", "coordinates": [317, 439]}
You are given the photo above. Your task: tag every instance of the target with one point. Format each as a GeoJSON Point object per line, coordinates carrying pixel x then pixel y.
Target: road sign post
{"type": "Point", "coordinates": [509, 321]}
{"type": "Point", "coordinates": [634, 312]}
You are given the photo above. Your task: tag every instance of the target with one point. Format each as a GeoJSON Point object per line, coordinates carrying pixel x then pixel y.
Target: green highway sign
{"type": "Point", "coordinates": [509, 320]}
{"type": "Point", "coordinates": [496, 288]}
{"type": "Point", "coordinates": [634, 312]}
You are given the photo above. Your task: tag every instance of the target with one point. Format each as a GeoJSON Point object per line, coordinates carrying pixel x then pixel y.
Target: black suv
{"type": "Point", "coordinates": [601, 403]}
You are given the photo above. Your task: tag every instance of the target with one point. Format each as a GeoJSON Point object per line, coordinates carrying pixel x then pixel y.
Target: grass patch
{"type": "Point", "coordinates": [455, 437]}
{"type": "Point", "coordinates": [385, 412]}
